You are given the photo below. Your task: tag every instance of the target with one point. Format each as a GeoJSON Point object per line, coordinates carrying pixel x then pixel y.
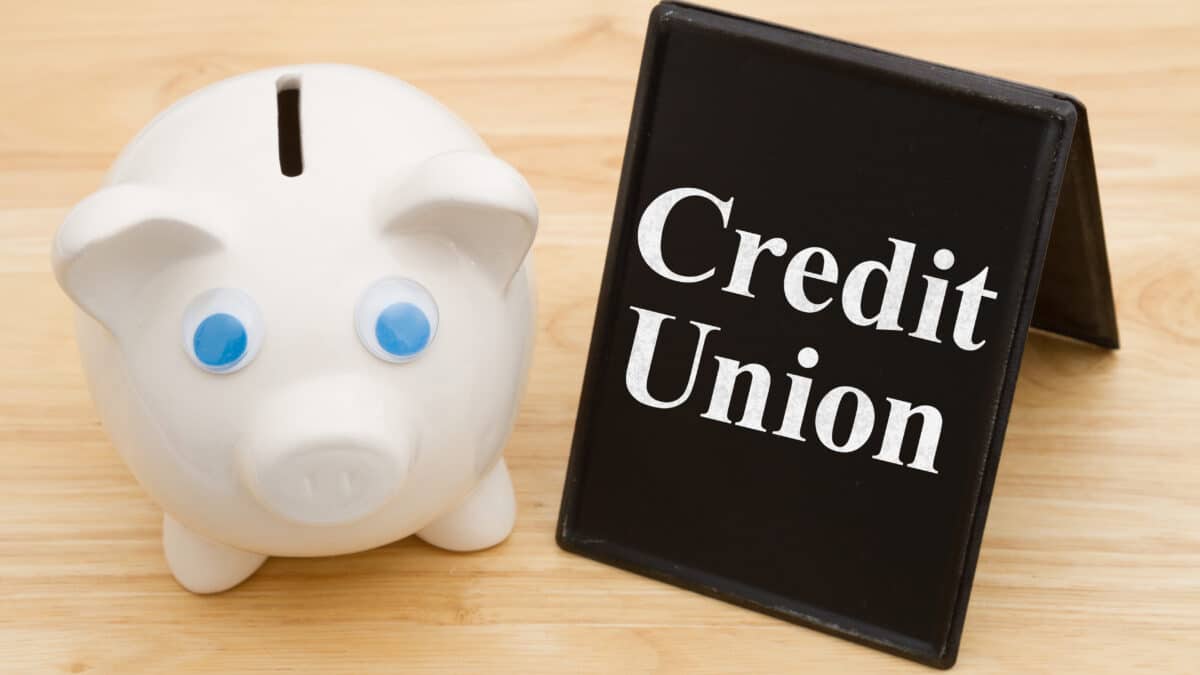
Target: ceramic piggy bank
{"type": "Point", "coordinates": [306, 319]}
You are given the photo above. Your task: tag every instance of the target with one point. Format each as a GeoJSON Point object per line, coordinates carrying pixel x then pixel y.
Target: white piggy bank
{"type": "Point", "coordinates": [306, 319]}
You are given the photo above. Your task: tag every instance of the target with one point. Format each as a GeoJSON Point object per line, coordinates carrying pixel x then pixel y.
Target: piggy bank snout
{"type": "Point", "coordinates": [327, 452]}
{"type": "Point", "coordinates": [328, 483]}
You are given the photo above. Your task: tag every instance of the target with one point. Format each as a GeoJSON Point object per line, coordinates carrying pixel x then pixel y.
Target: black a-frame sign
{"type": "Point", "coordinates": [824, 263]}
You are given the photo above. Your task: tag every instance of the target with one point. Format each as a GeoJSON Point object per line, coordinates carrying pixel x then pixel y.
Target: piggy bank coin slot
{"type": "Point", "coordinates": [287, 103]}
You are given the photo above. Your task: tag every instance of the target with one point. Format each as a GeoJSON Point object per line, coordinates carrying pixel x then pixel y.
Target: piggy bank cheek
{"type": "Point", "coordinates": [197, 414]}
{"type": "Point", "coordinates": [479, 365]}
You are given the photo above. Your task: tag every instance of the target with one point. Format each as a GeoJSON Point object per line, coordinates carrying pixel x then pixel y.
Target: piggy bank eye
{"type": "Point", "coordinates": [222, 330]}
{"type": "Point", "coordinates": [396, 319]}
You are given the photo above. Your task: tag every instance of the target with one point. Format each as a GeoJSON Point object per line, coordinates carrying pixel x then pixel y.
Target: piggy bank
{"type": "Point", "coordinates": [305, 316]}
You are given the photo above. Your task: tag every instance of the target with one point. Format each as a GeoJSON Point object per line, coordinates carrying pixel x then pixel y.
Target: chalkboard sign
{"type": "Point", "coordinates": [824, 263]}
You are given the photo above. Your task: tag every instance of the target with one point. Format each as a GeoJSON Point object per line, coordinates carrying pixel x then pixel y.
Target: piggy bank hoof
{"type": "Point", "coordinates": [485, 519]}
{"type": "Point", "coordinates": [202, 565]}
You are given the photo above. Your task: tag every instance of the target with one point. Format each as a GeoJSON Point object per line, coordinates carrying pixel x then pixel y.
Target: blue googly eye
{"type": "Point", "coordinates": [396, 319]}
{"type": "Point", "coordinates": [222, 330]}
{"type": "Point", "coordinates": [402, 329]}
{"type": "Point", "coordinates": [220, 341]}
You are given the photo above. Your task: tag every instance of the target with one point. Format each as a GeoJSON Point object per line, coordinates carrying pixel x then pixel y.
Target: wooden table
{"type": "Point", "coordinates": [1091, 561]}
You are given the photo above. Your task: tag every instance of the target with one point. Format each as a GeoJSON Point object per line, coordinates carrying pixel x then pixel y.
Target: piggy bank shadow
{"type": "Point", "coordinates": [331, 605]}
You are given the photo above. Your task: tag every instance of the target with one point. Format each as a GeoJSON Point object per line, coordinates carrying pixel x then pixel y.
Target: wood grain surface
{"type": "Point", "coordinates": [1091, 560]}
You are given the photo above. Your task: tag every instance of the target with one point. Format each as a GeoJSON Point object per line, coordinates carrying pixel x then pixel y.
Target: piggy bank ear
{"type": "Point", "coordinates": [473, 198]}
{"type": "Point", "coordinates": [114, 242]}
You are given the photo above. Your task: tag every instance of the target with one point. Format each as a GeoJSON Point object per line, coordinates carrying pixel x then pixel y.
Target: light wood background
{"type": "Point", "coordinates": [1091, 561]}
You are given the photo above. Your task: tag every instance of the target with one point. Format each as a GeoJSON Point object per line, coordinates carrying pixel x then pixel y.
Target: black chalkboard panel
{"type": "Point", "coordinates": [824, 262]}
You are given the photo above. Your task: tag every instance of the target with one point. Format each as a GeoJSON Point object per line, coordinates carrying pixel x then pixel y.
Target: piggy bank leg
{"type": "Point", "coordinates": [202, 565]}
{"type": "Point", "coordinates": [485, 519]}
